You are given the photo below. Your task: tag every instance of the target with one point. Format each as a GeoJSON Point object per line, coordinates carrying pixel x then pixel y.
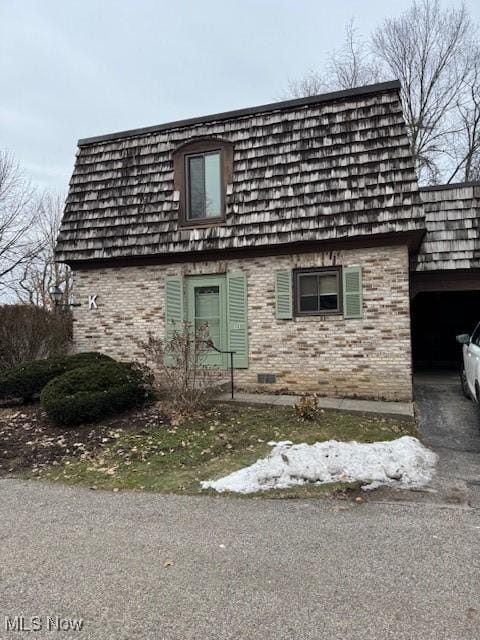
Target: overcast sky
{"type": "Point", "coordinates": [76, 68]}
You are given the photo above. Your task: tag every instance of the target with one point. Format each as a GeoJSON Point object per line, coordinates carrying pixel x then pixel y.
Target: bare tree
{"type": "Point", "coordinates": [19, 214]}
{"type": "Point", "coordinates": [434, 53]}
{"type": "Point", "coordinates": [41, 274]}
{"type": "Point", "coordinates": [351, 65]}
{"type": "Point", "coordinates": [28, 332]}
{"type": "Point", "coordinates": [311, 84]}
{"type": "Point", "coordinates": [429, 50]}
{"type": "Point", "coordinates": [464, 147]}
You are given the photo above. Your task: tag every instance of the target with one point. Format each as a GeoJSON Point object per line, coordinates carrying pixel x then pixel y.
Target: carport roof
{"type": "Point", "coordinates": [452, 220]}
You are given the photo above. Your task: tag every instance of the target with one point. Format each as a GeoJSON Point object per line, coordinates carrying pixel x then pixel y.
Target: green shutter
{"type": "Point", "coordinates": [173, 305]}
{"type": "Point", "coordinates": [283, 295]}
{"type": "Point", "coordinates": [352, 292]}
{"type": "Point", "coordinates": [237, 318]}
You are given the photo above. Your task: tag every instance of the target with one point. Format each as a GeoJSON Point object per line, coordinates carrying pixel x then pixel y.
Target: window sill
{"type": "Point", "coordinates": [215, 222]}
{"type": "Point", "coordinates": [318, 316]}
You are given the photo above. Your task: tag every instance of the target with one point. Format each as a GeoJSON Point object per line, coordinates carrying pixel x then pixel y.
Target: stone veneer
{"type": "Point", "coordinates": [367, 358]}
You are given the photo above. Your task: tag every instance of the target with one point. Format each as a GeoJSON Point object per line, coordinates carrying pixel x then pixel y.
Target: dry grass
{"type": "Point", "coordinates": [175, 458]}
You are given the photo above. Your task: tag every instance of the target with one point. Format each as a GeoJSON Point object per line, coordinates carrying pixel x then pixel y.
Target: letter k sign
{"type": "Point", "coordinates": [92, 302]}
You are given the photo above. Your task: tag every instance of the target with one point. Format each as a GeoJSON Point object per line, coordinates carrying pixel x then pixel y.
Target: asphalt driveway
{"type": "Point", "coordinates": [450, 424]}
{"type": "Point", "coordinates": [165, 567]}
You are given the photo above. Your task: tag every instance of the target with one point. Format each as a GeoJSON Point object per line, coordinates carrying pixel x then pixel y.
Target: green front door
{"type": "Point", "coordinates": [206, 304]}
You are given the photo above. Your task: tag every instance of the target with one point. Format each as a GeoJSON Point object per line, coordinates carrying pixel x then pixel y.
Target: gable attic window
{"type": "Point", "coordinates": [202, 170]}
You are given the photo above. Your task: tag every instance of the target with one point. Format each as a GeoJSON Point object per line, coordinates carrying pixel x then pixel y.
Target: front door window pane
{"type": "Point", "coordinates": [207, 311]}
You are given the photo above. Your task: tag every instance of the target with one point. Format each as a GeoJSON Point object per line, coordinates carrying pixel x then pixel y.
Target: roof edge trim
{"type": "Point", "coordinates": [393, 85]}
{"type": "Point", "coordinates": [450, 185]}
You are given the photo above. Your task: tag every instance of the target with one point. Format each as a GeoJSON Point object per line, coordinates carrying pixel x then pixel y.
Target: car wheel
{"type": "Point", "coordinates": [464, 383]}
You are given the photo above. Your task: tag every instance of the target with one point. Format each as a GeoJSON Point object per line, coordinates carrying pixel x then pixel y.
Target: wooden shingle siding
{"type": "Point", "coordinates": [314, 171]}
{"type": "Point", "coordinates": [452, 219]}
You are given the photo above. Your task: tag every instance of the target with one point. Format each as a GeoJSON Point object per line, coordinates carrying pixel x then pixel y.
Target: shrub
{"type": "Point", "coordinates": [27, 380]}
{"type": "Point", "coordinates": [181, 364]}
{"type": "Point", "coordinates": [28, 332]}
{"type": "Point", "coordinates": [84, 359]}
{"type": "Point", "coordinates": [307, 408]}
{"type": "Point", "coordinates": [94, 391]}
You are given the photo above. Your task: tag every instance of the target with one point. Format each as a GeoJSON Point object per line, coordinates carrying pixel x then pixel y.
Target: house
{"type": "Point", "coordinates": [291, 228]}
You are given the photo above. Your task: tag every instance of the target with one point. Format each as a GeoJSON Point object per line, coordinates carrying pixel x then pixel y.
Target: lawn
{"type": "Point", "coordinates": [168, 457]}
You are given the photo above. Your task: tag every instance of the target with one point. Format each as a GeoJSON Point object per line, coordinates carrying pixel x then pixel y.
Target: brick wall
{"type": "Point", "coordinates": [367, 358]}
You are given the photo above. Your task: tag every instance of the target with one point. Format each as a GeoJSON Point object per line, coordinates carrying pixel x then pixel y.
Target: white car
{"type": "Point", "coordinates": [470, 369]}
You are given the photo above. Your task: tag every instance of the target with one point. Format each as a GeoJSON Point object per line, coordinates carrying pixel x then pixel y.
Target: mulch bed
{"type": "Point", "coordinates": [28, 441]}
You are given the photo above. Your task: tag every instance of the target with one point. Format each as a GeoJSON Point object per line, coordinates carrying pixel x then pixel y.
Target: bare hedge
{"type": "Point", "coordinates": [28, 332]}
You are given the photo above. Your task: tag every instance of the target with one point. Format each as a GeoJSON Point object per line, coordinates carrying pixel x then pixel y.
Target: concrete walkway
{"type": "Point", "coordinates": [396, 409]}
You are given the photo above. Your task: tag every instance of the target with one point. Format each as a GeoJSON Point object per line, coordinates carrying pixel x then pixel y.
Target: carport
{"type": "Point", "coordinates": [443, 305]}
{"type": "Point", "coordinates": [445, 276]}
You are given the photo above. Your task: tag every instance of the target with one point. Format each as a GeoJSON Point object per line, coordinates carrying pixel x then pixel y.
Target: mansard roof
{"type": "Point", "coordinates": [316, 169]}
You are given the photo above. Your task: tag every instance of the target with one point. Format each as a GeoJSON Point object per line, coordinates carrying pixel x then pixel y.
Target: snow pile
{"type": "Point", "coordinates": [403, 463]}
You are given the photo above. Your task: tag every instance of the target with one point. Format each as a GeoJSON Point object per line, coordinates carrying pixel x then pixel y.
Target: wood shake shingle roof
{"type": "Point", "coordinates": [452, 220]}
{"type": "Point", "coordinates": [315, 169]}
